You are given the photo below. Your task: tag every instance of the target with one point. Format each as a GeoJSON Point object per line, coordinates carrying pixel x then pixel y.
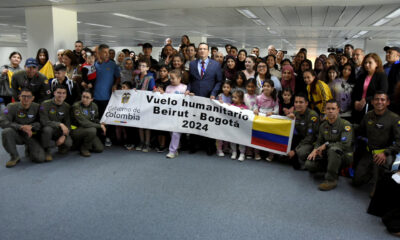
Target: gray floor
{"type": "Point", "coordinates": [133, 195]}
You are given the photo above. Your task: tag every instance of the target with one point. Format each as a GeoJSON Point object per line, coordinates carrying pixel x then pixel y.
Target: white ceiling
{"type": "Point", "coordinates": [289, 24]}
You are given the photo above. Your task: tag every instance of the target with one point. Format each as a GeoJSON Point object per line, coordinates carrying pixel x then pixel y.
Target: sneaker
{"type": "Point", "coordinates": [85, 153]}
{"type": "Point", "coordinates": [108, 142]}
{"type": "Point", "coordinates": [146, 148]}
{"type": "Point", "coordinates": [241, 157]}
{"type": "Point", "coordinates": [140, 147]}
{"type": "Point", "coordinates": [12, 162]}
{"type": "Point", "coordinates": [129, 147]}
{"type": "Point", "coordinates": [257, 157]}
{"type": "Point", "coordinates": [270, 157]}
{"type": "Point", "coordinates": [234, 155]}
{"type": "Point", "coordinates": [220, 153]}
{"type": "Point", "coordinates": [161, 149]}
{"type": "Point", "coordinates": [172, 155]}
{"type": "Point", "coordinates": [327, 185]}
{"type": "Point", "coordinates": [249, 157]}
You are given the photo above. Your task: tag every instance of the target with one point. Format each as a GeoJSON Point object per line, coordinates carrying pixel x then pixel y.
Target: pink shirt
{"type": "Point", "coordinates": [240, 106]}
{"type": "Point", "coordinates": [180, 89]}
{"type": "Point", "coordinates": [267, 104]}
{"type": "Point", "coordinates": [366, 84]}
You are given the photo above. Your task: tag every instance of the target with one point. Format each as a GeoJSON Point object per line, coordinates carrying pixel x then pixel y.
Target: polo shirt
{"type": "Point", "coordinates": [106, 72]}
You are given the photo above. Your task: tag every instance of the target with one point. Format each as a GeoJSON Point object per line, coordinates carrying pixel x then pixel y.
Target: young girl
{"type": "Point", "coordinates": [121, 132]}
{"type": "Point", "coordinates": [250, 101]}
{"type": "Point", "coordinates": [286, 107]}
{"type": "Point", "coordinates": [224, 97]}
{"type": "Point", "coordinates": [163, 81]}
{"type": "Point", "coordinates": [268, 104]}
{"type": "Point", "coordinates": [240, 82]}
{"type": "Point", "coordinates": [144, 81]}
{"type": "Point", "coordinates": [237, 100]}
{"type": "Point", "coordinates": [88, 70]}
{"type": "Point", "coordinates": [318, 92]}
{"type": "Point", "coordinates": [331, 74]}
{"type": "Point", "coordinates": [176, 87]}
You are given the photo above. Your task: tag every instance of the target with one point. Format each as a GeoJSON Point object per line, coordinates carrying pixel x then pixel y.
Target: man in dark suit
{"type": "Point", "coordinates": [205, 79]}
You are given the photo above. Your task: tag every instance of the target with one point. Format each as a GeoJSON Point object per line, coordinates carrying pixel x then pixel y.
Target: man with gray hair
{"type": "Point", "coordinates": [272, 50]}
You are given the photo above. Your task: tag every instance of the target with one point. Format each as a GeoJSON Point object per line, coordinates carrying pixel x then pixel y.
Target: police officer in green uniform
{"type": "Point", "coordinates": [56, 122]}
{"type": "Point", "coordinates": [333, 148]}
{"type": "Point", "coordinates": [85, 123]}
{"type": "Point", "coordinates": [31, 78]}
{"type": "Point", "coordinates": [20, 123]}
{"type": "Point", "coordinates": [381, 128]}
{"type": "Point", "coordinates": [305, 133]}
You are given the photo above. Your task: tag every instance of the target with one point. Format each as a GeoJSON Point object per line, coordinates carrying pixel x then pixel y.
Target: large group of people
{"type": "Point", "coordinates": [345, 106]}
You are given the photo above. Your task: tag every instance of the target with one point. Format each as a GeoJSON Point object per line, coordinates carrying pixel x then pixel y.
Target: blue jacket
{"type": "Point", "coordinates": [211, 82]}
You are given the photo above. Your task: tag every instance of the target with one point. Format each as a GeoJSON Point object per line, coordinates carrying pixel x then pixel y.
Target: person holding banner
{"type": "Point", "coordinates": [85, 123]}
{"type": "Point", "coordinates": [306, 131]}
{"type": "Point", "coordinates": [205, 79]}
{"type": "Point", "coordinates": [333, 148]}
{"type": "Point", "coordinates": [7, 72]}
{"type": "Point", "coordinates": [176, 87]}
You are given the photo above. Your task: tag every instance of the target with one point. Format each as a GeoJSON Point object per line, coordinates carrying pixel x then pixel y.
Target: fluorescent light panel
{"type": "Point", "coordinates": [394, 14]}
{"type": "Point", "coordinates": [259, 22]}
{"type": "Point", "coordinates": [139, 19]}
{"type": "Point", "coordinates": [98, 25]}
{"type": "Point", "coordinates": [247, 13]}
{"type": "Point", "coordinates": [381, 22]}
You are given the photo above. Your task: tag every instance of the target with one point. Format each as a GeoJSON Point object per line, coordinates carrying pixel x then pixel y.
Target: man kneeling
{"type": "Point", "coordinates": [20, 122]}
{"type": "Point", "coordinates": [55, 118]}
{"type": "Point", "coordinates": [333, 148]}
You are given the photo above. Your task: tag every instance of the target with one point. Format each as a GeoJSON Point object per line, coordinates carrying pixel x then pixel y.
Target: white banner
{"type": "Point", "coordinates": [201, 116]}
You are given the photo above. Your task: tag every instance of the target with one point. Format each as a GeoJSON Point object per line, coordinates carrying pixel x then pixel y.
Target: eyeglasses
{"type": "Point", "coordinates": [26, 96]}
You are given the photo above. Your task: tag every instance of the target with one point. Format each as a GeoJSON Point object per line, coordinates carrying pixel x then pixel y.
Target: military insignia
{"type": "Point", "coordinates": [347, 128]}
{"type": "Point", "coordinates": [52, 111]}
{"type": "Point", "coordinates": [125, 98]}
{"type": "Point", "coordinates": [334, 131]}
{"type": "Point", "coordinates": [371, 122]}
{"type": "Point", "coordinates": [326, 132]}
{"type": "Point", "coordinates": [48, 92]}
{"type": "Point", "coordinates": [61, 113]}
{"type": "Point", "coordinates": [314, 119]}
{"type": "Point", "coordinates": [93, 112]}
{"type": "Point", "coordinates": [30, 116]}
{"type": "Point", "coordinates": [398, 123]}
{"type": "Point", "coordinates": [343, 139]}
{"type": "Point", "coordinates": [77, 112]}
{"type": "Point", "coordinates": [5, 111]}
{"type": "Point", "coordinates": [310, 130]}
{"type": "Point", "coordinates": [46, 81]}
{"type": "Point", "coordinates": [86, 112]}
{"type": "Point", "coordinates": [379, 126]}
{"type": "Point", "coordinates": [302, 123]}
{"type": "Point", "coordinates": [21, 115]}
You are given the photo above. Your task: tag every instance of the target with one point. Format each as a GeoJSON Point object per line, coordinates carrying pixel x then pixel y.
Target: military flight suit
{"type": "Point", "coordinates": [12, 119]}
{"type": "Point", "coordinates": [383, 134]}
{"type": "Point", "coordinates": [338, 153]}
{"type": "Point", "coordinates": [51, 116]}
{"type": "Point", "coordinates": [38, 84]}
{"type": "Point", "coordinates": [85, 123]}
{"type": "Point", "coordinates": [305, 134]}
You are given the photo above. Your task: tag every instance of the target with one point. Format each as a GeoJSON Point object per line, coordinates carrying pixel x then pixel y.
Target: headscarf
{"type": "Point", "coordinates": [292, 82]}
{"type": "Point", "coordinates": [230, 73]}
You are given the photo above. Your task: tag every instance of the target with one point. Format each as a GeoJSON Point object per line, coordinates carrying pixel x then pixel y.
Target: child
{"type": "Point", "coordinates": [144, 81]}
{"type": "Point", "coordinates": [240, 82]}
{"type": "Point", "coordinates": [287, 105]}
{"type": "Point", "coordinates": [224, 97]}
{"type": "Point", "coordinates": [127, 70]}
{"type": "Point", "coordinates": [88, 70]}
{"type": "Point", "coordinates": [178, 88]}
{"type": "Point", "coordinates": [250, 99]}
{"type": "Point", "coordinates": [163, 81]}
{"type": "Point", "coordinates": [267, 103]}
{"type": "Point", "coordinates": [237, 100]}
{"type": "Point", "coordinates": [161, 85]}
{"type": "Point", "coordinates": [73, 92]}
{"type": "Point", "coordinates": [120, 131]}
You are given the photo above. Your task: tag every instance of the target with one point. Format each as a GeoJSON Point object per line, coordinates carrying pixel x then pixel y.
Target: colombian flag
{"type": "Point", "coordinates": [271, 133]}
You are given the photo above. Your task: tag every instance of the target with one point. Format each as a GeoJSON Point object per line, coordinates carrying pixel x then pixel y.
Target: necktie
{"type": "Point", "coordinates": [203, 70]}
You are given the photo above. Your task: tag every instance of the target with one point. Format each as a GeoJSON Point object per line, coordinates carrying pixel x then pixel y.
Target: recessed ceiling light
{"type": "Point", "coordinates": [98, 25]}
{"type": "Point", "coordinates": [394, 14]}
{"type": "Point", "coordinates": [247, 13]}
{"type": "Point", "coordinates": [381, 22]}
{"type": "Point", "coordinates": [56, 1]}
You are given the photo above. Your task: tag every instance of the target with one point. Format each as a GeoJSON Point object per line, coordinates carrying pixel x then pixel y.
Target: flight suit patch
{"type": "Point", "coordinates": [343, 139]}
{"type": "Point", "coordinates": [5, 111]}
{"type": "Point", "coordinates": [379, 126]}
{"type": "Point", "coordinates": [314, 119]}
{"type": "Point", "coordinates": [334, 131]}
{"type": "Point", "coordinates": [347, 128]}
{"type": "Point", "coordinates": [52, 111]}
{"type": "Point", "coordinates": [21, 115]}
{"type": "Point", "coordinates": [86, 112]}
{"type": "Point", "coordinates": [30, 116]}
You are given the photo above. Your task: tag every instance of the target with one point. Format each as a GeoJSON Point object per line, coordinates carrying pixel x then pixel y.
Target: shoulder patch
{"type": "Point", "coordinates": [398, 123]}
{"type": "Point", "coordinates": [46, 81]}
{"type": "Point", "coordinates": [5, 111]}
{"type": "Point", "coordinates": [347, 128]}
{"type": "Point", "coordinates": [314, 119]}
{"type": "Point", "coordinates": [343, 139]}
{"type": "Point", "coordinates": [77, 112]}
{"type": "Point", "coordinates": [41, 108]}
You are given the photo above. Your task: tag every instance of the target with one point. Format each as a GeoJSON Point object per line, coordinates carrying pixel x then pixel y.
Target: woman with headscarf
{"type": "Point", "coordinates": [288, 78]}
{"type": "Point", "coordinates": [230, 71]}
{"type": "Point", "coordinates": [241, 58]}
